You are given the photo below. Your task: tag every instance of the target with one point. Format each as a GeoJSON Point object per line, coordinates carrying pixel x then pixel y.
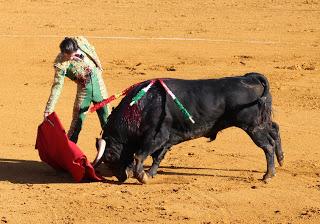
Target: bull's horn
{"type": "Point", "coordinates": [101, 149]}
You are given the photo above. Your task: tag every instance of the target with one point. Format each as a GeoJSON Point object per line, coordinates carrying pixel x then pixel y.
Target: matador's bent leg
{"type": "Point", "coordinates": [81, 106]}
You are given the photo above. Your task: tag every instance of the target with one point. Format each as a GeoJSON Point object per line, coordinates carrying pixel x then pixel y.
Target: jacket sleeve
{"type": "Point", "coordinates": [55, 89]}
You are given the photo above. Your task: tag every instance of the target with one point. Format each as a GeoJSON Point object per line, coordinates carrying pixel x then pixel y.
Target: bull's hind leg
{"type": "Point", "coordinates": [275, 134]}
{"type": "Point", "coordinates": [261, 137]}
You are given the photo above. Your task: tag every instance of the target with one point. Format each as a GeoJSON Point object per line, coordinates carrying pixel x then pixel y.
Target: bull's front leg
{"type": "Point", "coordinates": [156, 147]}
{"type": "Point", "coordinates": [157, 157]}
{"type": "Point", "coordinates": [129, 169]}
{"type": "Point", "coordinates": [138, 170]}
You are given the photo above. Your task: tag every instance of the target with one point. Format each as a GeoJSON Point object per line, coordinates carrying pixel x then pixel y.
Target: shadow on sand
{"type": "Point", "coordinates": [31, 172]}
{"type": "Point", "coordinates": [178, 171]}
{"type": "Point", "coordinates": [35, 172]}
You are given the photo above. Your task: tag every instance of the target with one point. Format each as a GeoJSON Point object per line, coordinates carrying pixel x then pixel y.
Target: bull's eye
{"type": "Point", "coordinates": [109, 156]}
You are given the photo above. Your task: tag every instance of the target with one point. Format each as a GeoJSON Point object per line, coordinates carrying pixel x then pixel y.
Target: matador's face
{"type": "Point", "coordinates": [69, 56]}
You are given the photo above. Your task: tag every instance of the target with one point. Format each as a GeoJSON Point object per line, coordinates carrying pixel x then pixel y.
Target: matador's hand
{"type": "Point", "coordinates": [45, 115]}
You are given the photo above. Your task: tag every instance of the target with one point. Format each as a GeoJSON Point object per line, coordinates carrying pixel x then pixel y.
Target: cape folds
{"type": "Point", "coordinates": [59, 152]}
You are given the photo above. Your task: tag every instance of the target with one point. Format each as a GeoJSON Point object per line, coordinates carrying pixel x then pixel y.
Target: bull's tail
{"type": "Point", "coordinates": [265, 101]}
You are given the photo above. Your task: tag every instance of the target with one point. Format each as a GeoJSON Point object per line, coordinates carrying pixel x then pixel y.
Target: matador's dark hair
{"type": "Point", "coordinates": [68, 45]}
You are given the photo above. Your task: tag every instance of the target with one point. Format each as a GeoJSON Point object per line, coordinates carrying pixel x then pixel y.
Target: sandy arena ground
{"type": "Point", "coordinates": [198, 182]}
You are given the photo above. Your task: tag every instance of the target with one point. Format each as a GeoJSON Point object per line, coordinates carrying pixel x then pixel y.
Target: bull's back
{"type": "Point", "coordinates": [205, 100]}
{"type": "Point", "coordinates": [211, 96]}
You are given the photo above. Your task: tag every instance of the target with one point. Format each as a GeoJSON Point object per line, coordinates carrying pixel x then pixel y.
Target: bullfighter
{"type": "Point", "coordinates": [79, 62]}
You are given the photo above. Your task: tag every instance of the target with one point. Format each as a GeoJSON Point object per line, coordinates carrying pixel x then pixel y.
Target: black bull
{"type": "Point", "coordinates": [155, 123]}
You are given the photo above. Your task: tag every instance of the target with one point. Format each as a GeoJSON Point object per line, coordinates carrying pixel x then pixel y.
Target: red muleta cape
{"type": "Point", "coordinates": [60, 153]}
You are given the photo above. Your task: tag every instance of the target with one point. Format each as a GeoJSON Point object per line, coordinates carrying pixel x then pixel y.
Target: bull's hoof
{"type": "Point", "coordinates": [151, 173]}
{"type": "Point", "coordinates": [123, 177]}
{"type": "Point", "coordinates": [281, 162]}
{"type": "Point", "coordinates": [143, 177]}
{"type": "Point", "coordinates": [267, 177]}
{"type": "Point", "coordinates": [129, 172]}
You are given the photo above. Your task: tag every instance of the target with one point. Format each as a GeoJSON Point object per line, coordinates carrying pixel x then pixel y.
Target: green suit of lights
{"type": "Point", "coordinates": [87, 73]}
